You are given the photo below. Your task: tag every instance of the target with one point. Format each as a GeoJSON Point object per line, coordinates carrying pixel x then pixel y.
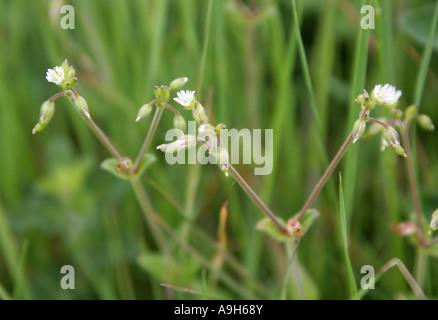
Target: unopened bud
{"type": "Point", "coordinates": [178, 83]}
{"type": "Point", "coordinates": [433, 222]}
{"type": "Point", "coordinates": [220, 127]}
{"type": "Point", "coordinates": [404, 228]}
{"type": "Point", "coordinates": [198, 113]}
{"type": "Point", "coordinates": [179, 123]}
{"type": "Point", "coordinates": [425, 122]}
{"type": "Point", "coordinates": [182, 143]}
{"type": "Point", "coordinates": [46, 114]}
{"type": "Point", "coordinates": [162, 94]}
{"type": "Point", "coordinates": [358, 129]}
{"type": "Point", "coordinates": [410, 112]}
{"type": "Point", "coordinates": [144, 111]}
{"type": "Point", "coordinates": [396, 113]}
{"type": "Point", "coordinates": [295, 229]}
{"type": "Point", "coordinates": [81, 105]}
{"type": "Point", "coordinates": [392, 140]}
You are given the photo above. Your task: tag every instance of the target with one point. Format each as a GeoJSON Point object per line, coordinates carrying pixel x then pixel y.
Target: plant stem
{"type": "Point", "coordinates": [256, 199]}
{"type": "Point", "coordinates": [98, 132]}
{"type": "Point", "coordinates": [413, 185]}
{"type": "Point", "coordinates": [325, 177]}
{"type": "Point", "coordinates": [148, 212]}
{"type": "Point", "coordinates": [148, 139]}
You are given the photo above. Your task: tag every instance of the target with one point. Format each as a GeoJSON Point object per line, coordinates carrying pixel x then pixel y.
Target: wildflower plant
{"type": "Point", "coordinates": [392, 130]}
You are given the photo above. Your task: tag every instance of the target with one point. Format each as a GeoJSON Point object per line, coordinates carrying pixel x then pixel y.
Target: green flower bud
{"type": "Point", "coordinates": [81, 105]}
{"type": "Point", "coordinates": [392, 140]}
{"type": "Point", "coordinates": [179, 123]}
{"type": "Point", "coordinates": [220, 127]}
{"type": "Point", "coordinates": [46, 114]}
{"type": "Point", "coordinates": [425, 122]}
{"type": "Point", "coordinates": [178, 83]}
{"type": "Point", "coordinates": [396, 113]}
{"type": "Point", "coordinates": [144, 111]}
{"type": "Point", "coordinates": [199, 114]}
{"type": "Point", "coordinates": [410, 112]}
{"type": "Point", "coordinates": [398, 149]}
{"type": "Point", "coordinates": [433, 222]}
{"type": "Point", "coordinates": [162, 94]}
{"type": "Point", "coordinates": [358, 129]}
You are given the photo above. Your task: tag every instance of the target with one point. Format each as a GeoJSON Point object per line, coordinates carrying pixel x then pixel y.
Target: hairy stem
{"type": "Point", "coordinates": [148, 139]}
{"type": "Point", "coordinates": [413, 185]}
{"type": "Point", "coordinates": [98, 132]}
{"type": "Point", "coordinates": [325, 176]}
{"type": "Point", "coordinates": [256, 199]}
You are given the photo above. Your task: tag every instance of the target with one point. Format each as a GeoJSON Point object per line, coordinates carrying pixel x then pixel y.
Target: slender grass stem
{"type": "Point", "coordinates": [148, 139]}
{"type": "Point", "coordinates": [256, 199]}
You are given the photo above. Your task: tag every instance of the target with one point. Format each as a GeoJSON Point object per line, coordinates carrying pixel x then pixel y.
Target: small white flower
{"type": "Point", "coordinates": [186, 98]}
{"type": "Point", "coordinates": [386, 94]}
{"type": "Point", "coordinates": [56, 76]}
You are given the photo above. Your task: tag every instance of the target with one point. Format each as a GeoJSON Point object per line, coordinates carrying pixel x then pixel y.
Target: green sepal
{"type": "Point", "coordinates": [308, 219]}
{"type": "Point", "coordinates": [111, 164]}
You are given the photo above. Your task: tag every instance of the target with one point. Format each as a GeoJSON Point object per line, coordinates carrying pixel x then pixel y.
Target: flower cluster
{"type": "Point", "coordinates": [187, 100]}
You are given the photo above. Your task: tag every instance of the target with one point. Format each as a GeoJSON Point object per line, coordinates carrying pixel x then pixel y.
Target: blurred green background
{"type": "Point", "coordinates": [57, 207]}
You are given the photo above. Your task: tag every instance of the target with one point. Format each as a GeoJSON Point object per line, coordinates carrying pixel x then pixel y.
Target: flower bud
{"type": "Point", "coordinates": [199, 114]}
{"type": "Point", "coordinates": [295, 228]}
{"type": "Point", "coordinates": [162, 94]}
{"type": "Point", "coordinates": [220, 127]}
{"type": "Point", "coordinates": [410, 112]}
{"type": "Point", "coordinates": [392, 140]}
{"type": "Point", "coordinates": [425, 122]}
{"type": "Point", "coordinates": [404, 228]}
{"type": "Point", "coordinates": [182, 143]}
{"type": "Point", "coordinates": [178, 83]}
{"type": "Point", "coordinates": [396, 113]}
{"type": "Point", "coordinates": [358, 129]}
{"type": "Point", "coordinates": [46, 113]}
{"type": "Point", "coordinates": [433, 222]}
{"type": "Point", "coordinates": [81, 105]}
{"type": "Point", "coordinates": [179, 123]}
{"type": "Point", "coordinates": [144, 111]}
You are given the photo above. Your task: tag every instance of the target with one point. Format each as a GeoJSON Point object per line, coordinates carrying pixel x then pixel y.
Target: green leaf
{"type": "Point", "coordinates": [267, 226]}
{"type": "Point", "coordinates": [111, 163]}
{"type": "Point", "coordinates": [155, 265]}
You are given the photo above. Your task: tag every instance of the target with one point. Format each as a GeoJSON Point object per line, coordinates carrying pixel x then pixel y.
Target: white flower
{"type": "Point", "coordinates": [56, 76]}
{"type": "Point", "coordinates": [386, 94]}
{"type": "Point", "coordinates": [186, 98]}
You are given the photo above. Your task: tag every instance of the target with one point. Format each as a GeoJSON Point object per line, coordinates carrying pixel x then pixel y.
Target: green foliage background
{"type": "Point", "coordinates": [57, 207]}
